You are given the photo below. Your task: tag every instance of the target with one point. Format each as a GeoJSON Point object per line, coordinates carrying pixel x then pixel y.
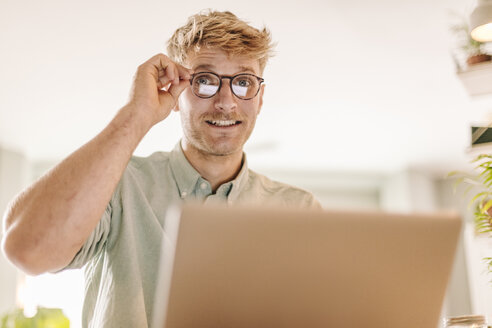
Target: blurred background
{"type": "Point", "coordinates": [367, 104]}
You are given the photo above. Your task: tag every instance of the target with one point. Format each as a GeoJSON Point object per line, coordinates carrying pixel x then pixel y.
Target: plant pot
{"type": "Point", "coordinates": [476, 59]}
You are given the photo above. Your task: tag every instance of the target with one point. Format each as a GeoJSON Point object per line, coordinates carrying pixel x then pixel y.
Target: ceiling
{"type": "Point", "coordinates": [361, 85]}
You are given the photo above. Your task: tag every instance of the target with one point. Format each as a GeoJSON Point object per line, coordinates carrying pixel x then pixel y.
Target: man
{"type": "Point", "coordinates": [104, 209]}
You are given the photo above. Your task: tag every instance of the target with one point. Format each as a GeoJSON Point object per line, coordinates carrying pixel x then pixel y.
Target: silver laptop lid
{"type": "Point", "coordinates": [257, 267]}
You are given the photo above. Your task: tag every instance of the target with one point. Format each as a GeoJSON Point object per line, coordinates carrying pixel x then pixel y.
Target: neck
{"type": "Point", "coordinates": [215, 169]}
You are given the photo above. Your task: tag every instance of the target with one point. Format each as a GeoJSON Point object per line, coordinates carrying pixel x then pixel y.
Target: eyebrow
{"type": "Point", "coordinates": [242, 68]}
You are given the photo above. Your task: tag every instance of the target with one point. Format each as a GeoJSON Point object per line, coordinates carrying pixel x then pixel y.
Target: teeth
{"type": "Point", "coordinates": [223, 123]}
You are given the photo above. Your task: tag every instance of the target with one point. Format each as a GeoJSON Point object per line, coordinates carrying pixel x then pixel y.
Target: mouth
{"type": "Point", "coordinates": [223, 123]}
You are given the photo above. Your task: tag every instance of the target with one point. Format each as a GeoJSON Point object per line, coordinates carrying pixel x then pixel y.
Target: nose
{"type": "Point", "coordinates": [225, 99]}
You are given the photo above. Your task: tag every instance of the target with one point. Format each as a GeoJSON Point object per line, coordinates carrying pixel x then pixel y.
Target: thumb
{"type": "Point", "coordinates": [169, 97]}
{"type": "Point", "coordinates": [176, 89]}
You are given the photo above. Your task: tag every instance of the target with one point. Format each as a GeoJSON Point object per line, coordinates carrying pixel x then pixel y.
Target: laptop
{"type": "Point", "coordinates": [279, 267]}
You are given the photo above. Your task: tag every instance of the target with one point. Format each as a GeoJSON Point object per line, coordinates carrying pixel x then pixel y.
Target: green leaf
{"type": "Point", "coordinates": [487, 205]}
{"type": "Point", "coordinates": [480, 157]}
{"type": "Point", "coordinates": [488, 181]}
{"type": "Point", "coordinates": [482, 194]}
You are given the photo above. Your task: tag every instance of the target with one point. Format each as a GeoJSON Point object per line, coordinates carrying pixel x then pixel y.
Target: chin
{"type": "Point", "coordinates": [215, 145]}
{"type": "Point", "coordinates": [218, 148]}
{"type": "Point", "coordinates": [223, 151]}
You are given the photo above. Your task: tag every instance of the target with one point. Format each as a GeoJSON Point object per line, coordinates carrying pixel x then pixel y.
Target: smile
{"type": "Point", "coordinates": [224, 123]}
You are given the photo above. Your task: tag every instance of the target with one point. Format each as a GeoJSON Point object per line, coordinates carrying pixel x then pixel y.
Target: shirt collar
{"type": "Point", "coordinates": [187, 177]}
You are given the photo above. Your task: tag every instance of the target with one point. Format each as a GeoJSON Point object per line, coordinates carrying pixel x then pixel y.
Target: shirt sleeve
{"type": "Point", "coordinates": [95, 243]}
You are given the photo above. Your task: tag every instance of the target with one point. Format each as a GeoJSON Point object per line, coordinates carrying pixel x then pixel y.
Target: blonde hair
{"type": "Point", "coordinates": [224, 31]}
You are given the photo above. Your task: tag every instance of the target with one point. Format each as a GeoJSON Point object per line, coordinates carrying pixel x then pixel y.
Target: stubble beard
{"type": "Point", "coordinates": [207, 146]}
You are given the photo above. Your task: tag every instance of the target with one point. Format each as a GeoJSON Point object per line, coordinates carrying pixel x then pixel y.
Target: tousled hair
{"type": "Point", "coordinates": [223, 31]}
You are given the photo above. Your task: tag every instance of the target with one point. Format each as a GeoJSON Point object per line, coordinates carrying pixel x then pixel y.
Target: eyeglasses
{"type": "Point", "coordinates": [244, 86]}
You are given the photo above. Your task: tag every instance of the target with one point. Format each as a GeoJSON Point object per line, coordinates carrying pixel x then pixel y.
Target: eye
{"type": "Point", "coordinates": [206, 79]}
{"type": "Point", "coordinates": [243, 81]}
{"type": "Point", "coordinates": [202, 80]}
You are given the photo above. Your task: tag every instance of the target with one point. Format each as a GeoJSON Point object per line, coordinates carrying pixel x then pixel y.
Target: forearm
{"type": "Point", "coordinates": [48, 223]}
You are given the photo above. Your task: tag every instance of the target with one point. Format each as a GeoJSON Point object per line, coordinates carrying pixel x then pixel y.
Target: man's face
{"type": "Point", "coordinates": [206, 121]}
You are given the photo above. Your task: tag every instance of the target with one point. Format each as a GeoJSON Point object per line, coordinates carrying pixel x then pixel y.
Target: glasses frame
{"type": "Point", "coordinates": [220, 77]}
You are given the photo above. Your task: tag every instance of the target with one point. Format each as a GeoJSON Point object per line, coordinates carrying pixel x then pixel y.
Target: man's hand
{"type": "Point", "coordinates": [157, 86]}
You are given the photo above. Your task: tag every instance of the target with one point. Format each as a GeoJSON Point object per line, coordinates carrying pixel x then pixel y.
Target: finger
{"type": "Point", "coordinates": [163, 82]}
{"type": "Point", "coordinates": [175, 90]}
{"type": "Point", "coordinates": [184, 73]}
{"type": "Point", "coordinates": [170, 72]}
{"type": "Point", "coordinates": [165, 71]}
{"type": "Point", "coordinates": [172, 92]}
{"type": "Point", "coordinates": [176, 75]}
{"type": "Point", "coordinates": [163, 66]}
{"type": "Point", "coordinates": [167, 100]}
{"type": "Point", "coordinates": [156, 65]}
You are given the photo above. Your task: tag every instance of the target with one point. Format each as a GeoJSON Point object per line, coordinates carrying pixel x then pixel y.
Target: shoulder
{"type": "Point", "coordinates": [280, 192]}
{"type": "Point", "coordinates": [143, 172]}
{"type": "Point", "coordinates": [142, 163]}
{"type": "Point", "coordinates": [147, 166]}
{"type": "Point", "coordinates": [272, 186]}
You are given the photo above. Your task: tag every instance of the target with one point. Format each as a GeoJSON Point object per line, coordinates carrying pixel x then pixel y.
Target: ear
{"type": "Point", "coordinates": [262, 90]}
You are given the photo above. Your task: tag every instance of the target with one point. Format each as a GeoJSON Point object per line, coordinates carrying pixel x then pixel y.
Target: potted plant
{"type": "Point", "coordinates": [481, 184]}
{"type": "Point", "coordinates": [44, 318]}
{"type": "Point", "coordinates": [473, 51]}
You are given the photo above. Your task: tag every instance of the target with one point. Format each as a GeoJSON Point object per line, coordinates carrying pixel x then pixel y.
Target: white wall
{"type": "Point", "coordinates": [408, 191]}
{"type": "Point", "coordinates": [14, 171]}
{"type": "Point", "coordinates": [335, 190]}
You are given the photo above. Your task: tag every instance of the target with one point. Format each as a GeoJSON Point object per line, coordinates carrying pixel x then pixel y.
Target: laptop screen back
{"type": "Point", "coordinates": [253, 267]}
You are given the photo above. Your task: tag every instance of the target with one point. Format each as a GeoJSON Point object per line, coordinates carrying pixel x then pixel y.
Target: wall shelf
{"type": "Point", "coordinates": [477, 79]}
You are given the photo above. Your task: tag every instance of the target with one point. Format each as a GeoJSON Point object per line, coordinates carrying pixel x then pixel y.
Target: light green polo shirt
{"type": "Point", "coordinates": [121, 255]}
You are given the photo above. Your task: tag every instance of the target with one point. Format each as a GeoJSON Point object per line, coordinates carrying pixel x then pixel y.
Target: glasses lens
{"type": "Point", "coordinates": [205, 85]}
{"type": "Point", "coordinates": [245, 86]}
